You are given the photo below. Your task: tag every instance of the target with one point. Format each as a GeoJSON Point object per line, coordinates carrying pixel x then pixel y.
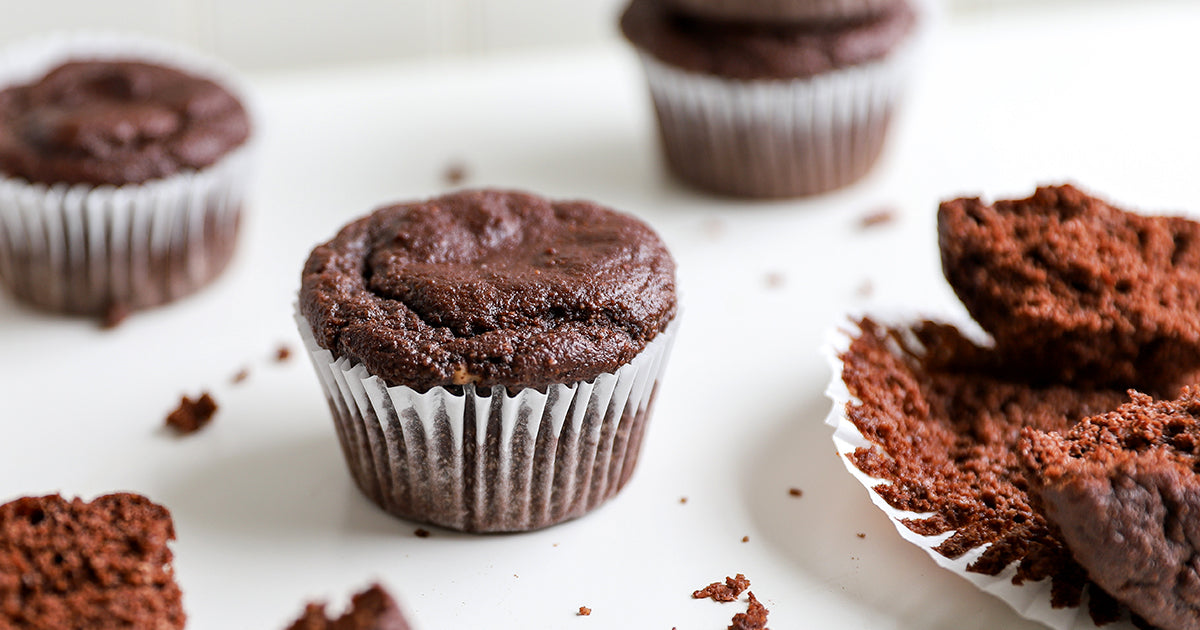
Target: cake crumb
{"type": "Point", "coordinates": [283, 353]}
{"type": "Point", "coordinates": [775, 280]}
{"type": "Point", "coordinates": [861, 535]}
{"type": "Point", "coordinates": [881, 216]}
{"type": "Point", "coordinates": [683, 500]}
{"type": "Point", "coordinates": [795, 492]}
{"type": "Point", "coordinates": [456, 173]}
{"type": "Point", "coordinates": [240, 377]}
{"type": "Point", "coordinates": [192, 415]}
{"type": "Point", "coordinates": [755, 617]}
{"type": "Point", "coordinates": [114, 315]}
{"type": "Point", "coordinates": [584, 611]}
{"type": "Point", "coordinates": [727, 592]}
{"type": "Point", "coordinates": [421, 533]}
{"type": "Point", "coordinates": [745, 539]}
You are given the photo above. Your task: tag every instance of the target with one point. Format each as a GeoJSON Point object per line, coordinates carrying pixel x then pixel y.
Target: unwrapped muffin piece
{"type": "Point", "coordinates": [1077, 290]}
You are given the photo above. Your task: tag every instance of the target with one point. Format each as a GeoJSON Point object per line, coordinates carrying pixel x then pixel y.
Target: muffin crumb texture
{"type": "Point", "coordinates": [727, 592]}
{"type": "Point", "coordinates": [755, 617]}
{"type": "Point", "coordinates": [372, 609]}
{"type": "Point", "coordinates": [72, 564]}
{"type": "Point", "coordinates": [192, 415]}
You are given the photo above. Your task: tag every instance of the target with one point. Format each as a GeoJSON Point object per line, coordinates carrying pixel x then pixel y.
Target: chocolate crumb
{"type": "Point", "coordinates": [745, 539]}
{"type": "Point", "coordinates": [373, 608]}
{"type": "Point", "coordinates": [727, 592]}
{"type": "Point", "coordinates": [241, 376]}
{"type": "Point", "coordinates": [861, 535]}
{"type": "Point", "coordinates": [456, 173]}
{"type": "Point", "coordinates": [584, 611]}
{"type": "Point", "coordinates": [795, 492]}
{"type": "Point", "coordinates": [421, 533]}
{"type": "Point", "coordinates": [755, 617]}
{"type": "Point", "coordinates": [683, 500]}
{"type": "Point", "coordinates": [882, 216]}
{"type": "Point", "coordinates": [283, 354]}
{"type": "Point", "coordinates": [192, 415]}
{"type": "Point", "coordinates": [776, 280]}
{"type": "Point", "coordinates": [114, 315]}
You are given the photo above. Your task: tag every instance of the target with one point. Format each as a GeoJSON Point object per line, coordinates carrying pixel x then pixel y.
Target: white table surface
{"type": "Point", "coordinates": [1101, 94]}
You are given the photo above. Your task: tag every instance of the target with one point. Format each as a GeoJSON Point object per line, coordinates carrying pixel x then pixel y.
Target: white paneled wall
{"type": "Point", "coordinates": [279, 34]}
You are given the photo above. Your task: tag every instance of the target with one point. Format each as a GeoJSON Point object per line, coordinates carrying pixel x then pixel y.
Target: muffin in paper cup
{"type": "Point", "coordinates": [444, 418]}
{"type": "Point", "coordinates": [782, 10]}
{"type": "Point", "coordinates": [101, 240]}
{"type": "Point", "coordinates": [770, 112]}
{"type": "Point", "coordinates": [1035, 599]}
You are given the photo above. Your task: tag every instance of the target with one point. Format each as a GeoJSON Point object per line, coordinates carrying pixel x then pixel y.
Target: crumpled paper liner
{"type": "Point", "coordinates": [85, 249]}
{"type": "Point", "coordinates": [491, 461]}
{"type": "Point", "coordinates": [1030, 600]}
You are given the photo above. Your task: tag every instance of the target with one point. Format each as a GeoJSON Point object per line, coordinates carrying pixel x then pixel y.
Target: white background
{"type": "Point", "coordinates": [288, 34]}
{"type": "Point", "coordinates": [266, 514]}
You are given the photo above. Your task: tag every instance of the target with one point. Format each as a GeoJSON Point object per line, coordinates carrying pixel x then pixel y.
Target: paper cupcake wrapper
{"type": "Point", "coordinates": [491, 461]}
{"type": "Point", "coordinates": [1031, 599]}
{"type": "Point", "coordinates": [774, 11]}
{"type": "Point", "coordinates": [776, 138]}
{"type": "Point", "coordinates": [85, 249]}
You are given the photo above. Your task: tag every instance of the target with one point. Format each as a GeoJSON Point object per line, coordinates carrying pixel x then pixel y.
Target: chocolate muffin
{"type": "Point", "coordinates": [1077, 290]}
{"type": "Point", "coordinates": [372, 609]}
{"type": "Point", "coordinates": [782, 11]}
{"type": "Point", "coordinates": [100, 565]}
{"type": "Point", "coordinates": [121, 177]}
{"type": "Point", "coordinates": [771, 109]}
{"type": "Point", "coordinates": [489, 356]}
{"type": "Point", "coordinates": [1123, 492]}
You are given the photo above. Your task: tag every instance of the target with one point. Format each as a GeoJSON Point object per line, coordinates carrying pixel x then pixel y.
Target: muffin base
{"type": "Point", "coordinates": [775, 138]}
{"type": "Point", "coordinates": [774, 11]}
{"type": "Point", "coordinates": [491, 460]}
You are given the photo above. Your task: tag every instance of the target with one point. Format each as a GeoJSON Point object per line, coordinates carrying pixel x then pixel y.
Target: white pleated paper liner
{"type": "Point", "coordinates": [84, 249]}
{"type": "Point", "coordinates": [491, 461]}
{"type": "Point", "coordinates": [1032, 599]}
{"type": "Point", "coordinates": [777, 138]}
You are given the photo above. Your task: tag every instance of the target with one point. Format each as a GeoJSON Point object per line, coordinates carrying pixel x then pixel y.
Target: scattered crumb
{"type": "Point", "coordinates": [683, 500]}
{"type": "Point", "coordinates": [882, 216]}
{"type": "Point", "coordinates": [861, 535]}
{"type": "Point", "coordinates": [192, 415]}
{"type": "Point", "coordinates": [241, 376]}
{"type": "Point", "coordinates": [583, 611]}
{"type": "Point", "coordinates": [755, 617]}
{"type": "Point", "coordinates": [866, 289]}
{"type": "Point", "coordinates": [714, 228]}
{"type": "Point", "coordinates": [727, 592]}
{"type": "Point", "coordinates": [745, 539]}
{"type": "Point", "coordinates": [795, 492]}
{"type": "Point", "coordinates": [555, 544]}
{"type": "Point", "coordinates": [776, 280]}
{"type": "Point", "coordinates": [283, 353]}
{"type": "Point", "coordinates": [421, 533]}
{"type": "Point", "coordinates": [456, 173]}
{"type": "Point", "coordinates": [113, 316]}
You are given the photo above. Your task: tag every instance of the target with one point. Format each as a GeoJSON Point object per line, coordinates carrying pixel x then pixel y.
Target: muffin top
{"type": "Point", "coordinates": [489, 288]}
{"type": "Point", "coordinates": [763, 51]}
{"type": "Point", "coordinates": [1077, 289]}
{"type": "Point", "coordinates": [1128, 476]}
{"type": "Point", "coordinates": [116, 122]}
{"type": "Point", "coordinates": [781, 10]}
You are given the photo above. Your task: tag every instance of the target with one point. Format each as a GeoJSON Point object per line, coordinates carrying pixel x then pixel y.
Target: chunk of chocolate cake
{"type": "Point", "coordinates": [1076, 290]}
{"type": "Point", "coordinates": [1123, 491]}
{"type": "Point", "coordinates": [372, 609]}
{"type": "Point", "coordinates": [101, 565]}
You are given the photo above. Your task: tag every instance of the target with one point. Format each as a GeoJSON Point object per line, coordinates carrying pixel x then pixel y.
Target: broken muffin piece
{"type": "Point", "coordinates": [1077, 290]}
{"type": "Point", "coordinates": [103, 565]}
{"type": "Point", "coordinates": [372, 609]}
{"type": "Point", "coordinates": [1123, 490]}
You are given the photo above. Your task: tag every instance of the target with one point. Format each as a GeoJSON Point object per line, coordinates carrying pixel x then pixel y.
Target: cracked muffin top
{"type": "Point", "coordinates": [489, 288]}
